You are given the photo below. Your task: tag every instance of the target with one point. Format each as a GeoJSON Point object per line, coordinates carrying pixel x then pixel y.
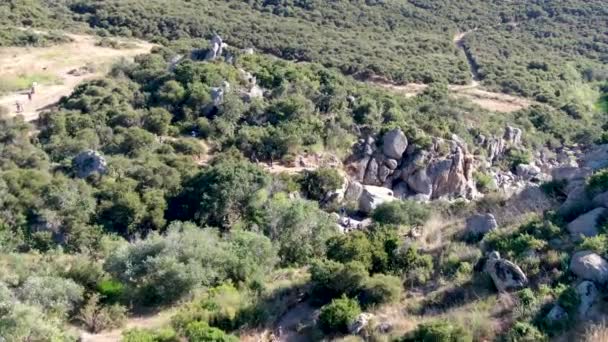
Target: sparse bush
{"type": "Point", "coordinates": [406, 213]}
{"type": "Point", "coordinates": [338, 315]}
{"type": "Point", "coordinates": [145, 335]}
{"type": "Point", "coordinates": [524, 332]}
{"type": "Point", "coordinates": [598, 182]}
{"type": "Point", "coordinates": [97, 318]}
{"type": "Point", "coordinates": [380, 289]}
{"type": "Point", "coordinates": [438, 331]}
{"type": "Point", "coordinates": [318, 183]}
{"type": "Point", "coordinates": [202, 332]}
{"type": "Point", "coordinates": [484, 182]}
{"type": "Point", "coordinates": [555, 189]}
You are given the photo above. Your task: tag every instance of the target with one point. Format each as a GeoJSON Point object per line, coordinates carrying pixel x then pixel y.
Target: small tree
{"type": "Point", "coordinates": [316, 184]}
{"type": "Point", "coordinates": [97, 318]}
{"type": "Point", "coordinates": [338, 315]}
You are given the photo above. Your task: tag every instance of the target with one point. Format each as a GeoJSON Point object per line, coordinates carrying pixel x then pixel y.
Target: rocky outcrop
{"type": "Point", "coordinates": [557, 314]}
{"type": "Point", "coordinates": [89, 162]}
{"type": "Point", "coordinates": [588, 294]}
{"type": "Point", "coordinates": [216, 48]}
{"type": "Point", "coordinates": [373, 196]}
{"type": "Point", "coordinates": [353, 191]}
{"type": "Point", "coordinates": [479, 225]}
{"type": "Point", "coordinates": [588, 265]}
{"type": "Point", "coordinates": [394, 144]}
{"type": "Point", "coordinates": [444, 170]}
{"type": "Point", "coordinates": [528, 172]}
{"type": "Point", "coordinates": [505, 274]}
{"type": "Point", "coordinates": [586, 225]}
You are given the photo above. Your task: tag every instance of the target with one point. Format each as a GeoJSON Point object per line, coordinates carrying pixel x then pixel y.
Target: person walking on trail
{"type": "Point", "coordinates": [33, 89]}
{"type": "Point", "coordinates": [29, 96]}
{"type": "Point", "coordinates": [19, 107]}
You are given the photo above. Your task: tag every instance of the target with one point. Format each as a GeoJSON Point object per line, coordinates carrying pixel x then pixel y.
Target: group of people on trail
{"type": "Point", "coordinates": [30, 94]}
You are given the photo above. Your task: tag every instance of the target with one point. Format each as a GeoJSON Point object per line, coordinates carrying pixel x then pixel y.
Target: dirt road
{"type": "Point", "coordinates": [58, 61]}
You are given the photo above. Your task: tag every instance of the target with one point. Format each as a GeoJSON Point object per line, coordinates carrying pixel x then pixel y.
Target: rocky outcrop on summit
{"type": "Point", "coordinates": [89, 162]}
{"type": "Point", "coordinates": [444, 170]}
{"type": "Point", "coordinates": [505, 274]}
{"type": "Point", "coordinates": [589, 266]}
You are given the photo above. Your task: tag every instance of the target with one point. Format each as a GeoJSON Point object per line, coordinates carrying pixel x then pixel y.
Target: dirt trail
{"type": "Point", "coordinates": [153, 321]}
{"type": "Point", "coordinates": [493, 101]}
{"type": "Point", "coordinates": [58, 61]}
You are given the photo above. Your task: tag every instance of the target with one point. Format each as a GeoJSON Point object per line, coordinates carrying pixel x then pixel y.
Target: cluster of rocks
{"type": "Point", "coordinates": [89, 162]}
{"type": "Point", "coordinates": [252, 90]}
{"type": "Point", "coordinates": [442, 171]}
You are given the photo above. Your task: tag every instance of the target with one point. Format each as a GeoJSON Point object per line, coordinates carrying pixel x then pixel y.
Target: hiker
{"type": "Point", "coordinates": [19, 107]}
{"type": "Point", "coordinates": [29, 96]}
{"type": "Point", "coordinates": [33, 89]}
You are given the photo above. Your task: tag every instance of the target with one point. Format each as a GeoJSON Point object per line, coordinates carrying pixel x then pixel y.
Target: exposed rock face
{"type": "Point", "coordinates": [577, 196]}
{"type": "Point", "coordinates": [373, 196]}
{"type": "Point", "coordinates": [586, 224]}
{"type": "Point", "coordinates": [601, 200]}
{"type": "Point", "coordinates": [513, 135]}
{"type": "Point", "coordinates": [89, 162]}
{"type": "Point", "coordinates": [217, 45]}
{"type": "Point", "coordinates": [394, 144]}
{"type": "Point", "coordinates": [360, 323]}
{"type": "Point", "coordinates": [505, 274]}
{"type": "Point", "coordinates": [528, 172]}
{"type": "Point", "coordinates": [596, 158]}
{"type": "Point", "coordinates": [353, 191]}
{"type": "Point", "coordinates": [588, 294]}
{"type": "Point", "coordinates": [443, 170]}
{"type": "Point", "coordinates": [589, 266]}
{"type": "Point", "coordinates": [479, 225]}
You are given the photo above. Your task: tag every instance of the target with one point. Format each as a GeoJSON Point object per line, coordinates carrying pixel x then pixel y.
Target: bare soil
{"type": "Point", "coordinates": [58, 60]}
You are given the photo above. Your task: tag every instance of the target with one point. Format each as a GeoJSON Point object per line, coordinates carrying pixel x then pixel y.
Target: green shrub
{"type": "Point", "coordinates": [407, 213]}
{"type": "Point", "coordinates": [484, 182]}
{"type": "Point", "coordinates": [318, 183]}
{"type": "Point", "coordinates": [598, 182]}
{"type": "Point", "coordinates": [350, 247]}
{"type": "Point", "coordinates": [555, 189]}
{"type": "Point", "coordinates": [438, 331]}
{"type": "Point", "coordinates": [111, 290]}
{"type": "Point", "coordinates": [515, 157]}
{"type": "Point", "coordinates": [338, 315]}
{"type": "Point", "coordinates": [417, 268]}
{"type": "Point", "coordinates": [202, 332]}
{"type": "Point", "coordinates": [597, 244]}
{"type": "Point", "coordinates": [146, 335]}
{"type": "Point", "coordinates": [524, 332]}
{"type": "Point", "coordinates": [569, 300]}
{"type": "Point", "coordinates": [332, 279]}
{"type": "Point", "coordinates": [380, 289]}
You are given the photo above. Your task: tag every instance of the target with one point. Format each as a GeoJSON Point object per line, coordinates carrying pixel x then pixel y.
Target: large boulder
{"type": "Point", "coordinates": [373, 196]}
{"type": "Point", "coordinates": [89, 162]}
{"type": "Point", "coordinates": [589, 266]}
{"type": "Point", "coordinates": [513, 135]}
{"type": "Point", "coordinates": [577, 197]}
{"type": "Point", "coordinates": [217, 45]}
{"type": "Point", "coordinates": [557, 314]}
{"type": "Point", "coordinates": [394, 144]}
{"type": "Point", "coordinates": [588, 294]}
{"type": "Point", "coordinates": [479, 225]}
{"type": "Point", "coordinates": [586, 225]}
{"type": "Point", "coordinates": [505, 274]}
{"type": "Point", "coordinates": [353, 191]}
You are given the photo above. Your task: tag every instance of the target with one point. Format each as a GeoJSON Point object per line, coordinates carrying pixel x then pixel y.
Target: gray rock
{"type": "Point", "coordinates": [557, 314]}
{"type": "Point", "coordinates": [601, 200]}
{"type": "Point", "coordinates": [394, 144]}
{"type": "Point", "coordinates": [391, 163]}
{"type": "Point", "coordinates": [371, 173]}
{"type": "Point", "coordinates": [479, 225]}
{"type": "Point", "coordinates": [217, 96]}
{"type": "Point", "coordinates": [217, 45]}
{"type": "Point", "coordinates": [588, 294]}
{"type": "Point", "coordinates": [373, 196]}
{"type": "Point", "coordinates": [360, 323]}
{"type": "Point", "coordinates": [401, 190]}
{"type": "Point", "coordinates": [596, 158]}
{"type": "Point", "coordinates": [577, 197]}
{"type": "Point", "coordinates": [589, 266]}
{"type": "Point", "coordinates": [586, 224]}
{"type": "Point", "coordinates": [527, 171]}
{"type": "Point", "coordinates": [383, 173]}
{"type": "Point", "coordinates": [420, 183]}
{"type": "Point", "coordinates": [89, 162]}
{"type": "Point", "coordinates": [513, 135]}
{"type": "Point", "coordinates": [570, 173]}
{"type": "Point", "coordinates": [353, 191]}
{"type": "Point", "coordinates": [505, 274]}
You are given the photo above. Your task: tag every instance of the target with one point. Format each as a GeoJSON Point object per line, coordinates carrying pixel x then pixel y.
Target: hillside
{"type": "Point", "coordinates": [303, 170]}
